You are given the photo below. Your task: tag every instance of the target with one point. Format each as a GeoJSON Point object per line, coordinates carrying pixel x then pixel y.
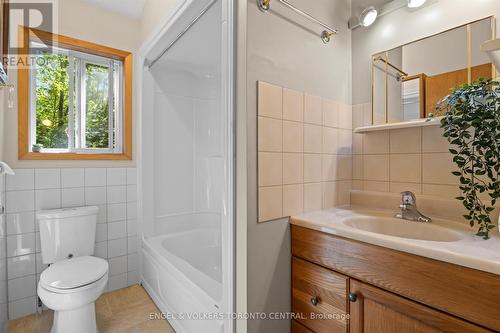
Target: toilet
{"type": "Point", "coordinates": [75, 279]}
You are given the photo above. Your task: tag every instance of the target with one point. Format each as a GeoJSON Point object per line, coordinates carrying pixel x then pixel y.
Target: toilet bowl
{"type": "Point", "coordinates": [70, 287]}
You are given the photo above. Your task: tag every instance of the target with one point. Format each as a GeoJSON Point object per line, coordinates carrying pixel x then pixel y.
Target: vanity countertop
{"type": "Point", "coordinates": [466, 250]}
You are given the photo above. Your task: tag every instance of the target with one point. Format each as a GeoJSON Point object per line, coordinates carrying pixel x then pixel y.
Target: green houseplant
{"type": "Point", "coordinates": [36, 148]}
{"type": "Point", "coordinates": [472, 126]}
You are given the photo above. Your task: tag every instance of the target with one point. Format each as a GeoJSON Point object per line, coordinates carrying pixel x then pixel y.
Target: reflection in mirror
{"type": "Point", "coordinates": [410, 80]}
{"type": "Point", "coordinates": [412, 97]}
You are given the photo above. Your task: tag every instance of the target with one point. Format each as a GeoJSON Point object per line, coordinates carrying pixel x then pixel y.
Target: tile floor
{"type": "Point", "coordinates": [123, 310]}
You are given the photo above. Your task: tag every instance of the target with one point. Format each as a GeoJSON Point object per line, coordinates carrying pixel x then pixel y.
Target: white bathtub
{"type": "Point", "coordinates": [185, 280]}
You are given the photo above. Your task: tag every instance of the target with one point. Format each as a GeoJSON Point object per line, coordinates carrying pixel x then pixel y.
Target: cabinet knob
{"type": "Point", "coordinates": [314, 300]}
{"type": "Point", "coordinates": [353, 297]}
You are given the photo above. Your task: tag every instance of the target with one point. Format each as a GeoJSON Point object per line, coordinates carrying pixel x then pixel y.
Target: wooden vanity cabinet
{"type": "Point", "coordinates": [385, 291]}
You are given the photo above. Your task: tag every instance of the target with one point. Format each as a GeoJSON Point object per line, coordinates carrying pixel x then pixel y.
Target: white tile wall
{"type": "Point", "coordinates": [113, 190]}
{"type": "Point", "coordinates": [95, 177]}
{"type": "Point", "coordinates": [116, 176]}
{"type": "Point", "coordinates": [47, 199]}
{"type": "Point", "coordinates": [21, 266]}
{"type": "Point", "coordinates": [131, 176]}
{"type": "Point", "coordinates": [73, 197]}
{"type": "Point", "coordinates": [22, 307]}
{"type": "Point", "coordinates": [20, 223]}
{"type": "Point", "coordinates": [47, 178]}
{"type": "Point", "coordinates": [116, 194]}
{"type": "Point", "coordinates": [24, 180]}
{"type": "Point", "coordinates": [72, 178]}
{"type": "Point", "coordinates": [20, 201]}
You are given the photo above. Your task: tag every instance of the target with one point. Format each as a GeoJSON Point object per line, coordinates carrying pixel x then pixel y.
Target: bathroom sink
{"type": "Point", "coordinates": [403, 229]}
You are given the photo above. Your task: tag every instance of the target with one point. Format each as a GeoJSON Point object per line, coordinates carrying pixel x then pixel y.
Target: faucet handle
{"type": "Point", "coordinates": [408, 198]}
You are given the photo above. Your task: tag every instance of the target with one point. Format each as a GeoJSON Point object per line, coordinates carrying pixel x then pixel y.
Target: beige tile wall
{"type": "Point", "coordinates": [304, 152]}
{"type": "Point", "coordinates": [415, 159]}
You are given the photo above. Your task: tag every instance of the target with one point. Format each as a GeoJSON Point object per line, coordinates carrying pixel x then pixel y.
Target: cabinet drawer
{"type": "Point", "coordinates": [319, 297]}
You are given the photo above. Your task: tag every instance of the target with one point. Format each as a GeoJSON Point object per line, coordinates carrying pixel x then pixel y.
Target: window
{"type": "Point", "coordinates": [75, 102]}
{"type": "Point", "coordinates": [79, 103]}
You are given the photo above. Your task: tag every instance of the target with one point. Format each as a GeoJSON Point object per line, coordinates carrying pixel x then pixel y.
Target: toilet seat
{"type": "Point", "coordinates": [73, 290]}
{"type": "Point", "coordinates": [73, 275]}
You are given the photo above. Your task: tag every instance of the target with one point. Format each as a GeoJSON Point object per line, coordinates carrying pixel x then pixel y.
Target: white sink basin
{"type": "Point", "coordinates": [403, 228]}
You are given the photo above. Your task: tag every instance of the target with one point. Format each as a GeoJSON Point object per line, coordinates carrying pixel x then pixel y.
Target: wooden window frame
{"type": "Point", "coordinates": [23, 72]}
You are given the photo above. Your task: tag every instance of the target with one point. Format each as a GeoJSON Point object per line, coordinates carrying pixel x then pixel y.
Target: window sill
{"type": "Point", "coordinates": [74, 156]}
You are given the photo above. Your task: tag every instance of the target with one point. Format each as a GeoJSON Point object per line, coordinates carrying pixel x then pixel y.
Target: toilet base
{"type": "Point", "coordinates": [80, 320]}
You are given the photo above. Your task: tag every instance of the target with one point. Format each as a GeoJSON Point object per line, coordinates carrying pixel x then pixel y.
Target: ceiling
{"type": "Point", "coordinates": [130, 8]}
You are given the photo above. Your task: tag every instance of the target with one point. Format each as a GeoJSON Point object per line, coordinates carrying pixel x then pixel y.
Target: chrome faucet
{"type": "Point", "coordinates": [409, 209]}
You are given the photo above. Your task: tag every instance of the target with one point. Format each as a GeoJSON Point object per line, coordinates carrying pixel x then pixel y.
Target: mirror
{"type": "Point", "coordinates": [408, 81]}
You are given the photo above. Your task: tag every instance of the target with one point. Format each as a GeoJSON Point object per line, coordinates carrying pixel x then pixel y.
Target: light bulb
{"type": "Point", "coordinates": [415, 3]}
{"type": "Point", "coordinates": [368, 16]}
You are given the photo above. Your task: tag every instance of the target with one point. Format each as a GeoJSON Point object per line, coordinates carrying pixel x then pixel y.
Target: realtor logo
{"type": "Point", "coordinates": [38, 15]}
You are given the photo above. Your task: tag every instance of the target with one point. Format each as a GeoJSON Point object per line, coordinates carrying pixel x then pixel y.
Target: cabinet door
{"type": "Point", "coordinates": [374, 310]}
{"type": "Point", "coordinates": [319, 297]}
{"type": "Point", "coordinates": [298, 328]}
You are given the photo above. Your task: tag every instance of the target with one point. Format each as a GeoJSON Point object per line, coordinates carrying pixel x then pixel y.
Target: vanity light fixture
{"type": "Point", "coordinates": [415, 3]}
{"type": "Point", "coordinates": [368, 16]}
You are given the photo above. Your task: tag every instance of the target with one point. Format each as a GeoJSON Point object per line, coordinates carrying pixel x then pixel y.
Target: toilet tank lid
{"type": "Point", "coordinates": [66, 212]}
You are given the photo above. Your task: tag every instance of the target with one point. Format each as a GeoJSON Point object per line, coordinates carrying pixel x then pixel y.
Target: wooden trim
{"type": "Point", "coordinates": [77, 44]}
{"type": "Point", "coordinates": [25, 33]}
{"type": "Point", "coordinates": [460, 291]}
{"type": "Point", "coordinates": [128, 66]}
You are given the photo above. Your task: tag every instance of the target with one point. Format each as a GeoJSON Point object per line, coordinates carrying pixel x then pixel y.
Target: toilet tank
{"type": "Point", "coordinates": [67, 232]}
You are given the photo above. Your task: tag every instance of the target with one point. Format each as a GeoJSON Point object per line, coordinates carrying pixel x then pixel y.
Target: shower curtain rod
{"type": "Point", "coordinates": [265, 5]}
{"type": "Point", "coordinates": [391, 65]}
{"type": "Point", "coordinates": [183, 32]}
